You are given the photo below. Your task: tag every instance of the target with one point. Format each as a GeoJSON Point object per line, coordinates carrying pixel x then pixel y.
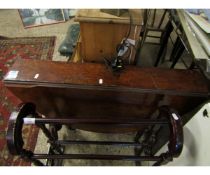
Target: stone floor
{"type": "Point", "coordinates": [11, 26]}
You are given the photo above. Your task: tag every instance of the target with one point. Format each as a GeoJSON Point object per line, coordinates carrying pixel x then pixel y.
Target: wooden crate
{"type": "Point", "coordinates": [101, 33]}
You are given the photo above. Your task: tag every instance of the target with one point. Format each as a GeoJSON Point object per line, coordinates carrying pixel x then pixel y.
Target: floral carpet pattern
{"type": "Point", "coordinates": [11, 49]}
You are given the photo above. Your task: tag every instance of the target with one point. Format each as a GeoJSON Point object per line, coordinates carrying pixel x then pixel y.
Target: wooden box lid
{"type": "Point", "coordinates": [95, 15]}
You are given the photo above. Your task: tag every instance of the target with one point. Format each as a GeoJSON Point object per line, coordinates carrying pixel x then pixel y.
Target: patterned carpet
{"type": "Point", "coordinates": [25, 48]}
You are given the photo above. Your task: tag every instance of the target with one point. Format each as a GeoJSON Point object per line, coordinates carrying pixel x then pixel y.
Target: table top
{"type": "Point", "coordinates": [95, 15]}
{"type": "Point", "coordinates": [32, 73]}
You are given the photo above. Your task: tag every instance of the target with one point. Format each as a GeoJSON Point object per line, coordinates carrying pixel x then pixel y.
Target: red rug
{"type": "Point", "coordinates": [26, 48]}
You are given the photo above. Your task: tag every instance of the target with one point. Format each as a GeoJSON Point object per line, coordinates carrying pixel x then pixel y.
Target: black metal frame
{"type": "Point", "coordinates": [26, 114]}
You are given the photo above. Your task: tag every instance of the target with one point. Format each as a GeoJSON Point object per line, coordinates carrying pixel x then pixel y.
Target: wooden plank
{"type": "Point", "coordinates": [99, 40]}
{"type": "Point", "coordinates": [95, 15]}
{"type": "Point", "coordinates": [76, 57]}
{"type": "Point", "coordinates": [88, 75]}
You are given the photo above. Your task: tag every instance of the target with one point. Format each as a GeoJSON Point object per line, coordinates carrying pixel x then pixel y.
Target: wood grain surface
{"type": "Point", "coordinates": [88, 75]}
{"type": "Point", "coordinates": [65, 90]}
{"type": "Point", "coordinates": [95, 15]}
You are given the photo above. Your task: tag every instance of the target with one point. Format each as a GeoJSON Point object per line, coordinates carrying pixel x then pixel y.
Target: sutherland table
{"type": "Point", "coordinates": [91, 90]}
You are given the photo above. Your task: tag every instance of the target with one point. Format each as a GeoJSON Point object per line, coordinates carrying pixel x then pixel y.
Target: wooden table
{"type": "Point", "coordinates": [100, 33]}
{"type": "Point", "coordinates": [91, 90]}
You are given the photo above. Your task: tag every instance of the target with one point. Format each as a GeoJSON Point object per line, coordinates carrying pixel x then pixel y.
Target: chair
{"type": "Point", "coordinates": [154, 28]}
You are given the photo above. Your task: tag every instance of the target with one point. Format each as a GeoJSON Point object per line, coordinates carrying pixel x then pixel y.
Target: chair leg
{"type": "Point", "coordinates": [192, 66]}
{"type": "Point", "coordinates": [175, 47]}
{"type": "Point", "coordinates": [138, 50]}
{"type": "Point", "coordinates": [164, 42]}
{"type": "Point", "coordinates": [178, 53]}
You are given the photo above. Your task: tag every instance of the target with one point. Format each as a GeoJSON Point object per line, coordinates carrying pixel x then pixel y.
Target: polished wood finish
{"type": "Point", "coordinates": [73, 89]}
{"type": "Point", "coordinates": [19, 117]}
{"type": "Point", "coordinates": [101, 33]}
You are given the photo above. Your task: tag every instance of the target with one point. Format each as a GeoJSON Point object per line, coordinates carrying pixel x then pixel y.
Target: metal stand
{"type": "Point", "coordinates": [26, 114]}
